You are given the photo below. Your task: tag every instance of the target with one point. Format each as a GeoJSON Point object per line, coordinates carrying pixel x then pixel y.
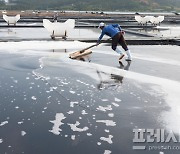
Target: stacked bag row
{"type": "Point", "coordinates": [149, 19]}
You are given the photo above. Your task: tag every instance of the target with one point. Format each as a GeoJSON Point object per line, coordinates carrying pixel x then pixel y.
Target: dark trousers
{"type": "Point", "coordinates": [119, 38]}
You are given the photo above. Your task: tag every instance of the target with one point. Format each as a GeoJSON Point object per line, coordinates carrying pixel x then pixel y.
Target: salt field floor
{"type": "Point", "coordinates": [51, 104]}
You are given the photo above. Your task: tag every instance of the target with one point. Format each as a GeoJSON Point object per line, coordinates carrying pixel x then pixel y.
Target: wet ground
{"type": "Point", "coordinates": [162, 32]}
{"type": "Point", "coordinates": [51, 104]}
{"type": "Point", "coordinates": [42, 34]}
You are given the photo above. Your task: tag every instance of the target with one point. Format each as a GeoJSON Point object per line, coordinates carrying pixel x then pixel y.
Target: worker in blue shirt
{"type": "Point", "coordinates": [116, 33]}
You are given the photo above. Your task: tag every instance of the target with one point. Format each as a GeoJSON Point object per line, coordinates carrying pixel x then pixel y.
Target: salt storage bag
{"type": "Point", "coordinates": [11, 19]}
{"type": "Point", "coordinates": [57, 29]}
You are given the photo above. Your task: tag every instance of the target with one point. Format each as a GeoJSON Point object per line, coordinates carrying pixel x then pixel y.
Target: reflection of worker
{"type": "Point", "coordinates": [116, 81]}
{"type": "Point", "coordinates": [55, 17]}
{"type": "Point", "coordinates": [126, 67]}
{"type": "Point", "coordinates": [116, 33]}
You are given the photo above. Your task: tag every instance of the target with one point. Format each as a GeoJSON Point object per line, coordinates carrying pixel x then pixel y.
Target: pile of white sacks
{"type": "Point", "coordinates": [56, 29]}
{"type": "Point", "coordinates": [11, 19]}
{"type": "Point", "coordinates": [153, 20]}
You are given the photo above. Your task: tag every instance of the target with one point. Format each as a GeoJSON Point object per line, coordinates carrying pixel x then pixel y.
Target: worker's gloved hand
{"type": "Point", "coordinates": [123, 32]}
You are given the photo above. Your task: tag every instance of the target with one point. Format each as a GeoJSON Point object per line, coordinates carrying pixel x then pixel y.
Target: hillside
{"type": "Point", "coordinates": [103, 5]}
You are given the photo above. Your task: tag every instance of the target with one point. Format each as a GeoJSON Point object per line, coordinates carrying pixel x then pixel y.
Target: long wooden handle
{"type": "Point", "coordinates": [81, 51]}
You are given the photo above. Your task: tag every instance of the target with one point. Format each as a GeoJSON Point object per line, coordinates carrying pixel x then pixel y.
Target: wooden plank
{"type": "Point", "coordinates": [79, 54]}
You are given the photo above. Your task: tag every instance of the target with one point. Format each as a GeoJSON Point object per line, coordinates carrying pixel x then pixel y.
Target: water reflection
{"type": "Point", "coordinates": [59, 50]}
{"type": "Point", "coordinates": [85, 58]}
{"type": "Point", "coordinates": [107, 80]}
{"type": "Point", "coordinates": [10, 32]}
{"type": "Point", "coordinates": [126, 67]}
{"type": "Point", "coordinates": [162, 31]}
{"type": "Point", "coordinates": [114, 81]}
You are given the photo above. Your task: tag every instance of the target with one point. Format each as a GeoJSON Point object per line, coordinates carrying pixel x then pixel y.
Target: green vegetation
{"type": "Point", "coordinates": [95, 5]}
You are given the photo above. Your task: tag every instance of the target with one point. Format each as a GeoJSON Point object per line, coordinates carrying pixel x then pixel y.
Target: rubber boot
{"type": "Point", "coordinates": [129, 57]}
{"type": "Point", "coordinates": [120, 52]}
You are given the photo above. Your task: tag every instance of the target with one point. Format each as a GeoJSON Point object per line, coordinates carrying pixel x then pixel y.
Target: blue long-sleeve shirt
{"type": "Point", "coordinates": [110, 30]}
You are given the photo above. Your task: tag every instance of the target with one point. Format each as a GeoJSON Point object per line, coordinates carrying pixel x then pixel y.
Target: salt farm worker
{"type": "Point", "coordinates": [55, 17]}
{"type": "Point", "coordinates": [116, 33]}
